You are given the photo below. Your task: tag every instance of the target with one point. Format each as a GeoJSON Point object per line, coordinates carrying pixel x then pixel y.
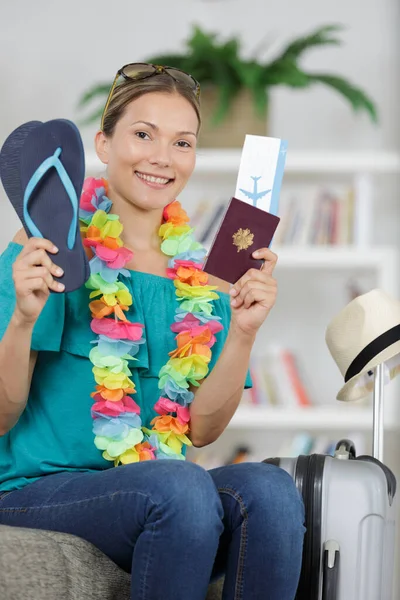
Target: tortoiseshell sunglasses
{"type": "Point", "coordinates": [136, 71]}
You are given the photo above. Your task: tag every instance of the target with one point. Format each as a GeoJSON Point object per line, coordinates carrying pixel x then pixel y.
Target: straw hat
{"type": "Point", "coordinates": [363, 335]}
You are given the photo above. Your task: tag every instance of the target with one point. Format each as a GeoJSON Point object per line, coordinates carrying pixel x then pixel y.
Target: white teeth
{"type": "Point", "coordinates": [151, 178]}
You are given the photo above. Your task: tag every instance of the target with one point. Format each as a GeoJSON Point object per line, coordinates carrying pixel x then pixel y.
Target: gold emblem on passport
{"type": "Point", "coordinates": [242, 239]}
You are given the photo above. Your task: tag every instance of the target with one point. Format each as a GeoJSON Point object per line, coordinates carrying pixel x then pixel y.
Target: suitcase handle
{"type": "Point", "coordinates": [377, 441]}
{"type": "Point", "coordinates": [390, 477]}
{"type": "Point", "coordinates": [348, 446]}
{"type": "Point", "coordinates": [330, 570]}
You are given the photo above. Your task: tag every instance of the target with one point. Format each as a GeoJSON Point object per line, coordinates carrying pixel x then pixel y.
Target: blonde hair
{"type": "Point", "coordinates": [130, 90]}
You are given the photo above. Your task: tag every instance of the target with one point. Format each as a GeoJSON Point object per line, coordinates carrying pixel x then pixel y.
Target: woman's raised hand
{"type": "Point", "coordinates": [254, 295]}
{"type": "Point", "coordinates": [33, 279]}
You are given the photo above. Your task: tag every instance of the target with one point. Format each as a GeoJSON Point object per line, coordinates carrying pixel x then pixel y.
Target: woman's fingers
{"type": "Point", "coordinates": [250, 275]}
{"type": "Point", "coordinates": [34, 270]}
{"type": "Point", "coordinates": [270, 259]}
{"type": "Point", "coordinates": [35, 243]}
{"type": "Point", "coordinates": [262, 275]}
{"type": "Point", "coordinates": [35, 278]}
{"type": "Point", "coordinates": [253, 291]}
{"type": "Point", "coordinates": [38, 258]}
{"type": "Point", "coordinates": [33, 285]}
{"type": "Point", "coordinates": [264, 297]}
{"type": "Point", "coordinates": [34, 258]}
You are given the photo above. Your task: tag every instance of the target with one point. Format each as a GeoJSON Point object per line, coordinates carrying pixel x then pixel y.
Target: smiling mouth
{"type": "Point", "coordinates": [152, 179]}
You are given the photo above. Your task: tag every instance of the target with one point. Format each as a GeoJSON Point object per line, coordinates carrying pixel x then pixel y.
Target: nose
{"type": "Point", "coordinates": [161, 155]}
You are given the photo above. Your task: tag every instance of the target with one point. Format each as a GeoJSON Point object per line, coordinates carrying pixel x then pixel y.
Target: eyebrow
{"type": "Point", "coordinates": [156, 128]}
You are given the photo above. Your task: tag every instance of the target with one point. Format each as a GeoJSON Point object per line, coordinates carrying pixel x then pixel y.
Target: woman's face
{"type": "Point", "coordinates": [152, 152]}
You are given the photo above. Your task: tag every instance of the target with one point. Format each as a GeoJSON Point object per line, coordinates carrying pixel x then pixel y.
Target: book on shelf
{"type": "Point", "coordinates": [318, 216]}
{"type": "Point", "coordinates": [207, 217]}
{"type": "Point", "coordinates": [278, 380]}
{"type": "Point", "coordinates": [330, 214]}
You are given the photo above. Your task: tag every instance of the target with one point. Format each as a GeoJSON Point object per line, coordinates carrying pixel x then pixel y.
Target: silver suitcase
{"type": "Point", "coordinates": [350, 518]}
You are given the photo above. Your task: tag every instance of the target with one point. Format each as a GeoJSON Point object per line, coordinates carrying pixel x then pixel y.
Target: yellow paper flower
{"type": "Point", "coordinates": [184, 290]}
{"type": "Point", "coordinates": [99, 219]}
{"type": "Point", "coordinates": [121, 297]}
{"type": "Point", "coordinates": [129, 456]}
{"type": "Point", "coordinates": [169, 229]}
{"type": "Point", "coordinates": [111, 229]}
{"type": "Point", "coordinates": [172, 440]}
{"type": "Point", "coordinates": [112, 381]}
{"type": "Point", "coordinates": [192, 367]}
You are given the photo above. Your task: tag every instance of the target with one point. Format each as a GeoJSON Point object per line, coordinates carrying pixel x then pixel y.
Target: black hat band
{"type": "Point", "coordinates": [371, 350]}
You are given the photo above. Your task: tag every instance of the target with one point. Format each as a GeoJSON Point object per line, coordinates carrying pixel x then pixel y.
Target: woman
{"type": "Point", "coordinates": [170, 523]}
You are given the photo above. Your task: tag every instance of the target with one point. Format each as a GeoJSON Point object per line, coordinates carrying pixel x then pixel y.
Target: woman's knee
{"type": "Point", "coordinates": [184, 492]}
{"type": "Point", "coordinates": [267, 489]}
{"type": "Point", "coordinates": [283, 495]}
{"type": "Point", "coordinates": [186, 481]}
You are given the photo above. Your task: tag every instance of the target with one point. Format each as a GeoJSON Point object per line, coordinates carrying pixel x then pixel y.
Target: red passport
{"type": "Point", "coordinates": [244, 229]}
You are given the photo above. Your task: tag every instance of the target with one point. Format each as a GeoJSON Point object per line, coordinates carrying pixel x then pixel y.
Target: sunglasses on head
{"type": "Point", "coordinates": [137, 71]}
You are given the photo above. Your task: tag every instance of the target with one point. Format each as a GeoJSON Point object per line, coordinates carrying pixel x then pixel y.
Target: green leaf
{"type": "Point", "coordinates": [99, 90]}
{"type": "Point", "coordinates": [201, 41]}
{"type": "Point", "coordinates": [92, 117]}
{"type": "Point", "coordinates": [320, 37]}
{"type": "Point", "coordinates": [227, 94]}
{"type": "Point", "coordinates": [260, 97]}
{"type": "Point", "coordinates": [357, 98]}
{"type": "Point", "coordinates": [285, 73]}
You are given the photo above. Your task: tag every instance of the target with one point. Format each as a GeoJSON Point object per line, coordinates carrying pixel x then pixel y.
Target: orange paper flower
{"type": "Point", "coordinates": [93, 232]}
{"type": "Point", "coordinates": [113, 395]}
{"type": "Point", "coordinates": [187, 344]}
{"type": "Point", "coordinates": [174, 213]}
{"type": "Point", "coordinates": [192, 276]}
{"type": "Point", "coordinates": [100, 309]}
{"type": "Point", "coordinates": [167, 423]}
{"type": "Point", "coordinates": [112, 243]}
{"type": "Point", "coordinates": [145, 451]}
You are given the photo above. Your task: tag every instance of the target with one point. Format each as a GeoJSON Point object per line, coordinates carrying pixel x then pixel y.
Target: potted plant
{"type": "Point", "coordinates": [235, 91]}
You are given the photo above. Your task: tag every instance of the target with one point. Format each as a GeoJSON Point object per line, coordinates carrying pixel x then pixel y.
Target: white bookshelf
{"type": "Point", "coordinates": [335, 257]}
{"type": "Point", "coordinates": [337, 418]}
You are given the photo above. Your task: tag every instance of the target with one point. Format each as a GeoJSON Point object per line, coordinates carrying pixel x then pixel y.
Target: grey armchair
{"type": "Point", "coordinates": [47, 565]}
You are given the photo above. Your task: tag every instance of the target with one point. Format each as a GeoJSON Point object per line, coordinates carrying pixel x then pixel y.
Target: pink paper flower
{"type": "Point", "coordinates": [192, 325]}
{"type": "Point", "coordinates": [114, 409]}
{"type": "Point", "coordinates": [164, 406]}
{"type": "Point", "coordinates": [117, 330]}
{"type": "Point", "coordinates": [187, 323]}
{"type": "Point", "coordinates": [114, 259]}
{"type": "Point", "coordinates": [90, 186]}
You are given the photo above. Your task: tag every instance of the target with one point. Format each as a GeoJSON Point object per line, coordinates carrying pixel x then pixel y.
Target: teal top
{"type": "Point", "coordinates": [54, 433]}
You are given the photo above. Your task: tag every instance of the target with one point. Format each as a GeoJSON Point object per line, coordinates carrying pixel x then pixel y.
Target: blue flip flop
{"type": "Point", "coordinates": [10, 156]}
{"type": "Point", "coordinates": [51, 174]}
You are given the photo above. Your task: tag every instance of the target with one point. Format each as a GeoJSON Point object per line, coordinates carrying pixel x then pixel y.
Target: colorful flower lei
{"type": "Point", "coordinates": [117, 425]}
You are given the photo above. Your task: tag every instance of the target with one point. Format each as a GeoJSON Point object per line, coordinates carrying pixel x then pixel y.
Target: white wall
{"type": "Point", "coordinates": [50, 52]}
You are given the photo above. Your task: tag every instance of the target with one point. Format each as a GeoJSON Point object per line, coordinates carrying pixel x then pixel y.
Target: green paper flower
{"type": "Point", "coordinates": [116, 448]}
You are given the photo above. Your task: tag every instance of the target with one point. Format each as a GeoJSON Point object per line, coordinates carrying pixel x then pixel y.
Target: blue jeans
{"type": "Point", "coordinates": [175, 526]}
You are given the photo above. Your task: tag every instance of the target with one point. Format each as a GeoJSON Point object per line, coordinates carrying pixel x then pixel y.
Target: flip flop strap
{"type": "Point", "coordinates": [48, 163]}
